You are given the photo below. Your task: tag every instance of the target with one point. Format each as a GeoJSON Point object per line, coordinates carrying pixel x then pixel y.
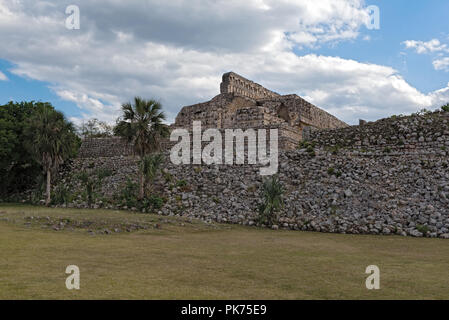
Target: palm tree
{"type": "Point", "coordinates": [272, 200]}
{"type": "Point", "coordinates": [149, 166]}
{"type": "Point", "coordinates": [51, 141]}
{"type": "Point", "coordinates": [142, 124]}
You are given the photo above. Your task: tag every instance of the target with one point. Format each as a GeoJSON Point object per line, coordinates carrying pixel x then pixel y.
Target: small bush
{"type": "Point", "coordinates": [89, 186]}
{"type": "Point", "coordinates": [61, 195]}
{"type": "Point", "coordinates": [445, 108]}
{"type": "Point", "coordinates": [103, 173]}
{"type": "Point", "coordinates": [423, 229]}
{"type": "Point", "coordinates": [128, 194]}
{"type": "Point", "coordinates": [153, 203]}
{"type": "Point", "coordinates": [272, 201]}
{"type": "Point", "coordinates": [167, 176]}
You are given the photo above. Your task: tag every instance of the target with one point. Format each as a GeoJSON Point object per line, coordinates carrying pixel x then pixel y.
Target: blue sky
{"type": "Point", "coordinates": [127, 50]}
{"type": "Point", "coordinates": [22, 88]}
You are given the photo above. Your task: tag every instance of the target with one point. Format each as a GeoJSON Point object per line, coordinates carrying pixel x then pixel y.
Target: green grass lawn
{"type": "Point", "coordinates": [176, 258]}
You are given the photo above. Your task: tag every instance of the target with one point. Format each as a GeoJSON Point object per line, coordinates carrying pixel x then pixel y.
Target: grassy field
{"type": "Point", "coordinates": [182, 259]}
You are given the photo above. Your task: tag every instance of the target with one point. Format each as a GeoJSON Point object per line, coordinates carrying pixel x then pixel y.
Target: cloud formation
{"type": "Point", "coordinates": [3, 77]}
{"type": "Point", "coordinates": [422, 47]}
{"type": "Point", "coordinates": [441, 64]}
{"type": "Point", "coordinates": [177, 50]}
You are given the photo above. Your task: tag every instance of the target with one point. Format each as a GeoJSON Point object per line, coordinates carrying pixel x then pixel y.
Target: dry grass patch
{"type": "Point", "coordinates": [192, 260]}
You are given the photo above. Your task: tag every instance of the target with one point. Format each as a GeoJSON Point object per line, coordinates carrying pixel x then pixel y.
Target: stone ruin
{"type": "Point", "coordinates": [385, 177]}
{"type": "Point", "coordinates": [244, 104]}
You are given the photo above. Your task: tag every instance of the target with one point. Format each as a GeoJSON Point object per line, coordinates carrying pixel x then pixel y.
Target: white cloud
{"type": "Point", "coordinates": [442, 64]}
{"type": "Point", "coordinates": [178, 50]}
{"type": "Point", "coordinates": [422, 47]}
{"type": "Point", "coordinates": [3, 77]}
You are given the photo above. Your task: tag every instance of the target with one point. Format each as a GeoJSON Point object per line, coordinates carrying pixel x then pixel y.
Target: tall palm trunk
{"type": "Point", "coordinates": [47, 202]}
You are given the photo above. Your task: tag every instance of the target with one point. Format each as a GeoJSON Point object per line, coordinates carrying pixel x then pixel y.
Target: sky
{"type": "Point", "coordinates": [326, 51]}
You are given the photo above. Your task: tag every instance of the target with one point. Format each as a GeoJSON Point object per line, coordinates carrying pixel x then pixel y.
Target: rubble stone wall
{"type": "Point", "coordinates": [104, 147]}
{"type": "Point", "coordinates": [427, 134]}
{"type": "Point", "coordinates": [327, 189]}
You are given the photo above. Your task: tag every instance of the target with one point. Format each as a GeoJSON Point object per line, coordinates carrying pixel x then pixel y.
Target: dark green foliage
{"type": "Point", "coordinates": [142, 125]}
{"type": "Point", "coordinates": [181, 183]}
{"type": "Point", "coordinates": [128, 198]}
{"type": "Point", "coordinates": [423, 229]}
{"type": "Point", "coordinates": [151, 203]}
{"type": "Point", "coordinates": [89, 186]}
{"type": "Point", "coordinates": [272, 200]}
{"type": "Point", "coordinates": [19, 168]}
{"type": "Point", "coordinates": [61, 194]}
{"type": "Point", "coordinates": [128, 195]}
{"type": "Point", "coordinates": [92, 183]}
{"type": "Point", "coordinates": [309, 146]}
{"type": "Point", "coordinates": [150, 166]}
{"type": "Point", "coordinates": [51, 140]}
{"type": "Point", "coordinates": [103, 173]}
{"type": "Point", "coordinates": [445, 108]}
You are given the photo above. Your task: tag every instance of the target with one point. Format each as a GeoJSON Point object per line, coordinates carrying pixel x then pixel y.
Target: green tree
{"type": "Point", "coordinates": [18, 169]}
{"type": "Point", "coordinates": [272, 200]}
{"type": "Point", "coordinates": [142, 125]}
{"type": "Point", "coordinates": [445, 108]}
{"type": "Point", "coordinates": [51, 141]}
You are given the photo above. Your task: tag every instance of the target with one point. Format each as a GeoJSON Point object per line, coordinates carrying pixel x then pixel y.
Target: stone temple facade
{"type": "Point", "coordinates": [244, 104]}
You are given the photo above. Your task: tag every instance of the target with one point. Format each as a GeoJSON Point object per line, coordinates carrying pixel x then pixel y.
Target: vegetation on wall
{"type": "Point", "coordinates": [142, 125]}
{"type": "Point", "coordinates": [272, 200]}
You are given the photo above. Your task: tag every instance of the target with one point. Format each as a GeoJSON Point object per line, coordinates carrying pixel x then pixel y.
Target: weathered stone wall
{"type": "Point", "coordinates": [287, 137]}
{"type": "Point", "coordinates": [427, 134]}
{"type": "Point", "coordinates": [300, 113]}
{"type": "Point", "coordinates": [243, 104]}
{"type": "Point", "coordinates": [216, 113]}
{"type": "Point", "coordinates": [104, 147]}
{"type": "Point", "coordinates": [234, 83]}
{"type": "Point", "coordinates": [342, 190]}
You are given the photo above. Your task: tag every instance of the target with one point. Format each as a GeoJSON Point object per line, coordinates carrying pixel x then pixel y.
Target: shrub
{"type": "Point", "coordinates": [103, 173]}
{"type": "Point", "coordinates": [423, 229]}
{"type": "Point", "coordinates": [92, 182]}
{"type": "Point", "coordinates": [181, 183]}
{"type": "Point", "coordinates": [445, 108]}
{"type": "Point", "coordinates": [152, 203]}
{"type": "Point", "coordinates": [272, 200]}
{"type": "Point", "coordinates": [167, 176]}
{"type": "Point", "coordinates": [61, 194]}
{"type": "Point", "coordinates": [149, 166]}
{"type": "Point", "coordinates": [89, 186]}
{"type": "Point", "coordinates": [128, 194]}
